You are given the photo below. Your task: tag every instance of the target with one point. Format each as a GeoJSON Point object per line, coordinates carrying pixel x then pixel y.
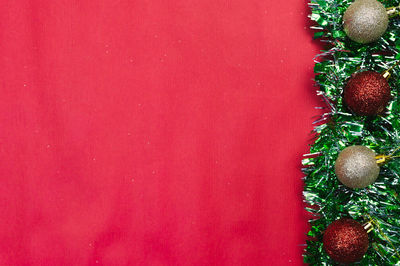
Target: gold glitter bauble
{"type": "Point", "coordinates": [365, 21]}
{"type": "Point", "coordinates": [356, 167]}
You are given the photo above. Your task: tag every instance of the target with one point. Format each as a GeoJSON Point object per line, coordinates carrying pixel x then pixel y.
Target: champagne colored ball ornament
{"type": "Point", "coordinates": [356, 167]}
{"type": "Point", "coordinates": [345, 241]}
{"type": "Point", "coordinates": [365, 21]}
{"type": "Point", "coordinates": [367, 93]}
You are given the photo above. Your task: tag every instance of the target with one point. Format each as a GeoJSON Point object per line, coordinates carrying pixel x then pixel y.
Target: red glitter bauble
{"type": "Point", "coordinates": [345, 241]}
{"type": "Point", "coordinates": [367, 93]}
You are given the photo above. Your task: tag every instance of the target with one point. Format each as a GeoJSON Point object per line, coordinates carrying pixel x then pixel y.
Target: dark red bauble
{"type": "Point", "coordinates": [367, 93]}
{"type": "Point", "coordinates": [346, 241]}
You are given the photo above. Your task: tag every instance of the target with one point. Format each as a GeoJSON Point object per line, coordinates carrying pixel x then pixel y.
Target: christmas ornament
{"type": "Point", "coordinates": [357, 167]}
{"type": "Point", "coordinates": [367, 93]}
{"type": "Point", "coordinates": [365, 21]}
{"type": "Point", "coordinates": [345, 241]}
{"type": "Point", "coordinates": [335, 64]}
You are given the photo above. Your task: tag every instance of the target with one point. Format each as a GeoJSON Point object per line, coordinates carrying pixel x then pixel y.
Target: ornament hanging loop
{"type": "Point", "coordinates": [383, 159]}
{"type": "Point", "coordinates": [393, 11]}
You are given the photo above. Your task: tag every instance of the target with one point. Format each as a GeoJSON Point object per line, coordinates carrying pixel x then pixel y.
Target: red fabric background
{"type": "Point", "coordinates": [153, 132]}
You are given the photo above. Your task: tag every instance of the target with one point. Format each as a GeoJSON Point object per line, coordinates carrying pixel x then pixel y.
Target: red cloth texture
{"type": "Point", "coordinates": [154, 132]}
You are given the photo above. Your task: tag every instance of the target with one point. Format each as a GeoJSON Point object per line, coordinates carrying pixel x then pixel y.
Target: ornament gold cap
{"type": "Point", "coordinates": [387, 73]}
{"type": "Point", "coordinates": [368, 226]}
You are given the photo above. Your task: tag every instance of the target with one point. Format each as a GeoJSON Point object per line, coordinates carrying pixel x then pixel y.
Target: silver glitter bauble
{"type": "Point", "coordinates": [356, 167]}
{"type": "Point", "coordinates": [365, 21]}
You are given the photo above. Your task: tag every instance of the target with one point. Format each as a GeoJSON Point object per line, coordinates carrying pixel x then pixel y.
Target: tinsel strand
{"type": "Point", "coordinates": [337, 128]}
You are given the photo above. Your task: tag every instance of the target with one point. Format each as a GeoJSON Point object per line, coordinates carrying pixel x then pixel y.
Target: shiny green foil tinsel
{"type": "Point", "coordinates": [327, 199]}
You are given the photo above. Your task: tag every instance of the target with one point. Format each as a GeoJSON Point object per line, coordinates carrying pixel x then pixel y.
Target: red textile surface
{"type": "Point", "coordinates": [154, 132]}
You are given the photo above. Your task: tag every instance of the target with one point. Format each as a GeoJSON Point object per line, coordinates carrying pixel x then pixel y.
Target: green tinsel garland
{"type": "Point", "coordinates": [327, 198]}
